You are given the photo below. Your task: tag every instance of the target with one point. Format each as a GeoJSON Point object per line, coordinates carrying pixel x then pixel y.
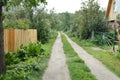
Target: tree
{"type": "Point", "coordinates": [92, 19]}
{"type": "Point", "coordinates": [65, 21]}
{"type": "Point", "coordinates": [12, 3]}
{"type": "Point", "coordinates": [43, 25]}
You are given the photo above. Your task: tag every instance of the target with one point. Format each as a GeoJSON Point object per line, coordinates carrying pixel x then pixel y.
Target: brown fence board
{"type": "Point", "coordinates": [14, 38]}
{"type": "Point", "coordinates": [11, 39]}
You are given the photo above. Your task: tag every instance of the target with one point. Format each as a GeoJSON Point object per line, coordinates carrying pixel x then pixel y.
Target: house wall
{"type": "Point", "coordinates": [113, 14]}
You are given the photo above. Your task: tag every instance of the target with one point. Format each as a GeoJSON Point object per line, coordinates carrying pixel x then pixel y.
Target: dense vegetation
{"type": "Point", "coordinates": [28, 62]}
{"type": "Point", "coordinates": [89, 24]}
{"type": "Point", "coordinates": [31, 60]}
{"type": "Point", "coordinates": [90, 30]}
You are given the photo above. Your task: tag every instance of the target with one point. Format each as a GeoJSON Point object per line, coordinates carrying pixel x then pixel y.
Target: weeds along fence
{"type": "Point", "coordinates": [14, 38]}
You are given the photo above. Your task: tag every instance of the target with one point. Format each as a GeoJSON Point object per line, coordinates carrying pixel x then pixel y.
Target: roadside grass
{"type": "Point", "coordinates": [107, 58]}
{"type": "Point", "coordinates": [44, 60]}
{"type": "Point", "coordinates": [77, 68]}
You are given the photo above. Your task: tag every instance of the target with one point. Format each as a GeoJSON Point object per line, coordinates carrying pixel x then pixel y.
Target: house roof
{"type": "Point", "coordinates": [109, 8]}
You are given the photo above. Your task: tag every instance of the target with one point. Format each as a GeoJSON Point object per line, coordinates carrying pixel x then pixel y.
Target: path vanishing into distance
{"type": "Point", "coordinates": [57, 67]}
{"type": "Point", "coordinates": [58, 70]}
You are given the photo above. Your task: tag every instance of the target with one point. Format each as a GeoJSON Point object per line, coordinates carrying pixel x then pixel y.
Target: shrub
{"type": "Point", "coordinates": [22, 70]}
{"type": "Point", "coordinates": [25, 52]}
{"type": "Point", "coordinates": [22, 63]}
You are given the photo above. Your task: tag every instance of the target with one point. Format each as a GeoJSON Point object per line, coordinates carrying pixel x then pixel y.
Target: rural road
{"type": "Point", "coordinates": [96, 67]}
{"type": "Point", "coordinates": [57, 67]}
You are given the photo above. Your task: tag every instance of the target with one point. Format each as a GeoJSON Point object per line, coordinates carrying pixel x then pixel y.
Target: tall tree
{"type": "Point", "coordinates": [2, 58]}
{"type": "Point", "coordinates": [92, 19]}
{"type": "Point", "coordinates": [12, 3]}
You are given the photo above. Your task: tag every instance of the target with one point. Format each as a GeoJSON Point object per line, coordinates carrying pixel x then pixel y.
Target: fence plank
{"type": "Point", "coordinates": [11, 40]}
{"type": "Point", "coordinates": [14, 38]}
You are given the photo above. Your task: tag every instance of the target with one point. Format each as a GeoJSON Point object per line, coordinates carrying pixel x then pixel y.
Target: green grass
{"type": "Point", "coordinates": [77, 68]}
{"type": "Point", "coordinates": [108, 59]}
{"type": "Point", "coordinates": [44, 61]}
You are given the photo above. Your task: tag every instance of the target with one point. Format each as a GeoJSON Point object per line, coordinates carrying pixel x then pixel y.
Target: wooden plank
{"type": "Point", "coordinates": [17, 39]}
{"type": "Point", "coordinates": [109, 8]}
{"type": "Point", "coordinates": [11, 40]}
{"type": "Point", "coordinates": [14, 38]}
{"type": "Point", "coordinates": [6, 40]}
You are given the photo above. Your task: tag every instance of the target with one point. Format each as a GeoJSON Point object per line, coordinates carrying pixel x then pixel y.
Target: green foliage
{"type": "Point", "coordinates": [13, 3]}
{"type": "Point", "coordinates": [92, 19]}
{"type": "Point", "coordinates": [65, 21]}
{"type": "Point", "coordinates": [22, 70]}
{"type": "Point", "coordinates": [17, 19]}
{"type": "Point", "coordinates": [89, 24]}
{"type": "Point", "coordinates": [24, 53]}
{"type": "Point", "coordinates": [104, 39]}
{"type": "Point", "coordinates": [118, 52]}
{"type": "Point", "coordinates": [25, 3]}
{"type": "Point", "coordinates": [17, 24]}
{"type": "Point", "coordinates": [22, 63]}
{"type": "Point", "coordinates": [29, 62]}
{"type": "Point", "coordinates": [43, 26]}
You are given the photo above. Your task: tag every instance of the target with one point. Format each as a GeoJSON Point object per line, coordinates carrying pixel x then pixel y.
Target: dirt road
{"type": "Point", "coordinates": [57, 67]}
{"type": "Point", "coordinates": [96, 67]}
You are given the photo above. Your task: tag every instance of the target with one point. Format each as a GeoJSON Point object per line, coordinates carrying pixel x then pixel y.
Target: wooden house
{"type": "Point", "coordinates": [113, 10]}
{"type": "Point", "coordinates": [113, 16]}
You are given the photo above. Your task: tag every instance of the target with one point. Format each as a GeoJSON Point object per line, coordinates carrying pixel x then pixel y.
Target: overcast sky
{"type": "Point", "coordinates": [70, 5]}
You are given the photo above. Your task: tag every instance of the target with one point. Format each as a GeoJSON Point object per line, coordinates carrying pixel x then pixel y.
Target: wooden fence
{"type": "Point", "coordinates": [13, 38]}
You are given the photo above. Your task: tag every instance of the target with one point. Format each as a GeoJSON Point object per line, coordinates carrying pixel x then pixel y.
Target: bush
{"type": "Point", "coordinates": [22, 70]}
{"type": "Point", "coordinates": [22, 63]}
{"type": "Point", "coordinates": [24, 53]}
{"type": "Point", "coordinates": [104, 39]}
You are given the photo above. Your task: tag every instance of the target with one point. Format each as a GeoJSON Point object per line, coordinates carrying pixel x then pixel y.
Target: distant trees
{"type": "Point", "coordinates": [87, 23]}
{"type": "Point", "coordinates": [17, 19]}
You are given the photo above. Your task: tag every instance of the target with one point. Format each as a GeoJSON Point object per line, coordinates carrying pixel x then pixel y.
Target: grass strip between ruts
{"type": "Point", "coordinates": [77, 68]}
{"type": "Point", "coordinates": [107, 58]}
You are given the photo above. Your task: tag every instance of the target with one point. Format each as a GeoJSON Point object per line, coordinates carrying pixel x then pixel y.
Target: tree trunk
{"type": "Point", "coordinates": [2, 55]}
{"type": "Point", "coordinates": [92, 35]}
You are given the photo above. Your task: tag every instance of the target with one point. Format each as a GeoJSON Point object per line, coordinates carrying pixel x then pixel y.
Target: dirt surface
{"type": "Point", "coordinates": [57, 67]}
{"type": "Point", "coordinates": [96, 67]}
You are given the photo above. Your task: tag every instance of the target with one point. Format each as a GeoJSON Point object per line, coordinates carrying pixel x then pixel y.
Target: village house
{"type": "Point", "coordinates": [113, 10]}
{"type": "Point", "coordinates": [113, 16]}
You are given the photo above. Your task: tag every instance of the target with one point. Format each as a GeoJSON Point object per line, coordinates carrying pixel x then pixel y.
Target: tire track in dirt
{"type": "Point", "coordinates": [96, 67]}
{"type": "Point", "coordinates": [57, 67]}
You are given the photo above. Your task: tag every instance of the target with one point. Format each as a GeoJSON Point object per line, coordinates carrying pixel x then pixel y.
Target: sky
{"type": "Point", "coordinates": [70, 5]}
